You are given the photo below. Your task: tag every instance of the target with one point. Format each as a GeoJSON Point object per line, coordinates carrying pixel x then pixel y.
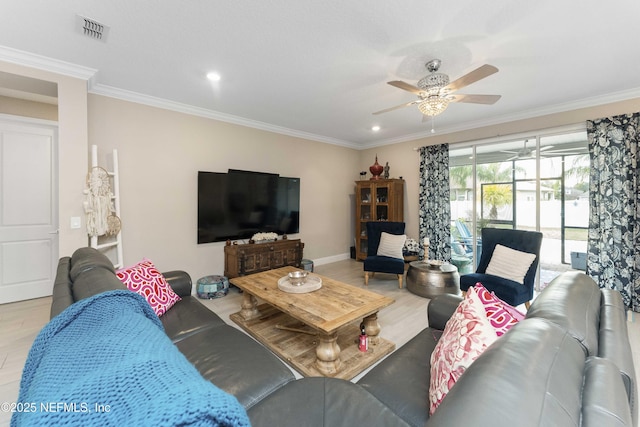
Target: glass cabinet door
{"type": "Point", "coordinates": [382, 203]}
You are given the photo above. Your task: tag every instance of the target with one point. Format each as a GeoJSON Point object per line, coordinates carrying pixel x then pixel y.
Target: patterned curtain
{"type": "Point", "coordinates": [614, 197]}
{"type": "Point", "coordinates": [434, 203]}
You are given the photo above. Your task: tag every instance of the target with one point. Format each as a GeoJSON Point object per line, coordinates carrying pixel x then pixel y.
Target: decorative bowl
{"type": "Point", "coordinates": [432, 263]}
{"type": "Point", "coordinates": [298, 278]}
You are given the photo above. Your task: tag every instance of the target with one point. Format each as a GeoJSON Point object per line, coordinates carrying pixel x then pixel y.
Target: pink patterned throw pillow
{"type": "Point", "coordinates": [466, 335]}
{"type": "Point", "coordinates": [501, 315]}
{"type": "Point", "coordinates": [144, 279]}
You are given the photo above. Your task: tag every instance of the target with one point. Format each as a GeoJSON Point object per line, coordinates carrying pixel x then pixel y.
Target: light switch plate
{"type": "Point", "coordinates": [76, 222]}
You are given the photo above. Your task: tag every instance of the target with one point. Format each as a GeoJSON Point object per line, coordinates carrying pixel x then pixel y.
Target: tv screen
{"type": "Point", "coordinates": [238, 204]}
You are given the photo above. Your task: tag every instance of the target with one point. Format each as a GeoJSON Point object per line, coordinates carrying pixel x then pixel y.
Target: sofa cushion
{"type": "Point", "coordinates": [187, 317]}
{"type": "Point", "coordinates": [401, 381]}
{"type": "Point", "coordinates": [467, 335]}
{"type": "Point", "coordinates": [510, 263]}
{"type": "Point", "coordinates": [236, 363]}
{"type": "Point", "coordinates": [145, 279]}
{"type": "Point", "coordinates": [604, 398]}
{"type": "Point", "coordinates": [614, 344]}
{"type": "Point", "coordinates": [321, 402]}
{"type": "Point", "coordinates": [532, 376]}
{"type": "Point", "coordinates": [93, 282]}
{"type": "Point", "coordinates": [62, 294]}
{"type": "Point", "coordinates": [572, 301]}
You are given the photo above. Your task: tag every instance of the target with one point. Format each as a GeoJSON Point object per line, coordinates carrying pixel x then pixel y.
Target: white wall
{"type": "Point", "coordinates": [160, 153]}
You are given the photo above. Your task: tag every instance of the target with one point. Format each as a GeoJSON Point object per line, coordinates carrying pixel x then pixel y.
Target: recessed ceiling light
{"type": "Point", "coordinates": [375, 128]}
{"type": "Point", "coordinates": [213, 76]}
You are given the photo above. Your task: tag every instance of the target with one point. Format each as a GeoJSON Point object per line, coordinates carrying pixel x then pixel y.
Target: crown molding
{"type": "Point", "coordinates": [28, 59]}
{"type": "Point", "coordinates": [44, 63]}
{"type": "Point", "coordinates": [125, 95]}
{"type": "Point", "coordinates": [522, 115]}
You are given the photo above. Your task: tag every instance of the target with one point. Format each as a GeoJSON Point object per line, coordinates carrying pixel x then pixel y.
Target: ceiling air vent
{"type": "Point", "coordinates": [92, 28]}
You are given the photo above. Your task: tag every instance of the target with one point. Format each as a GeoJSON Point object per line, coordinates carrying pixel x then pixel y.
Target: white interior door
{"type": "Point", "coordinates": [28, 209]}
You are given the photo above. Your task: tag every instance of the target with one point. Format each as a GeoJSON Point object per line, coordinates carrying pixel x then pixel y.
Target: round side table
{"type": "Point", "coordinates": [432, 279]}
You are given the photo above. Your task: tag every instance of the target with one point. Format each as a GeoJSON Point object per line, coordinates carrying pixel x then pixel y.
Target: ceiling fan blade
{"type": "Point", "coordinates": [475, 99]}
{"type": "Point", "coordinates": [405, 86]}
{"type": "Point", "coordinates": [397, 107]}
{"type": "Point", "coordinates": [472, 77]}
{"type": "Point", "coordinates": [569, 150]}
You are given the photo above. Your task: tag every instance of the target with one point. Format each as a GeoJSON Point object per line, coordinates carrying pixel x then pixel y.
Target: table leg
{"type": "Point", "coordinates": [328, 354]}
{"type": "Point", "coordinates": [372, 328]}
{"type": "Point", "coordinates": [249, 306]}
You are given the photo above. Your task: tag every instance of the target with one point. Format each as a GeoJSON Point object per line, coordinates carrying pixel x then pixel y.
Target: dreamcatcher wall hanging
{"type": "Point", "coordinates": [98, 205]}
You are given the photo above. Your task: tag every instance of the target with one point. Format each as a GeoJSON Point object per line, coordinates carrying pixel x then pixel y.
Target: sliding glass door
{"type": "Point", "coordinates": [538, 182]}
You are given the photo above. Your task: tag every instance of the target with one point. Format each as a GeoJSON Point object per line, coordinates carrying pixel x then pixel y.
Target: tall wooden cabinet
{"type": "Point", "coordinates": [376, 200]}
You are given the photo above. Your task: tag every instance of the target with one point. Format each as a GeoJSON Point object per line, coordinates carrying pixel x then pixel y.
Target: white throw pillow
{"type": "Point", "coordinates": [391, 245]}
{"type": "Point", "coordinates": [510, 263]}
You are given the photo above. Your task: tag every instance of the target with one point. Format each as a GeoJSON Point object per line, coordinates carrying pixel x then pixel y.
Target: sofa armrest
{"type": "Point", "coordinates": [180, 282]}
{"type": "Point", "coordinates": [614, 344]}
{"type": "Point", "coordinates": [62, 293]}
{"type": "Point", "coordinates": [440, 310]}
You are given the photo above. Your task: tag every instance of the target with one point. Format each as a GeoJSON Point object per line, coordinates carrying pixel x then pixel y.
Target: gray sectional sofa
{"type": "Point", "coordinates": [568, 363]}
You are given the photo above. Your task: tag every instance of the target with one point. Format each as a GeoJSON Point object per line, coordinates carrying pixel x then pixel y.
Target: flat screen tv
{"type": "Point", "coordinates": [237, 204]}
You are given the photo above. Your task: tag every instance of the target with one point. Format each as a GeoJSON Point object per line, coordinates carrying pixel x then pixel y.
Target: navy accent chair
{"type": "Point", "coordinates": [382, 264]}
{"type": "Point", "coordinates": [513, 293]}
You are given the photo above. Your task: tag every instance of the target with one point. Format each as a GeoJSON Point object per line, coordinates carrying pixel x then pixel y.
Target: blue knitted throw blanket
{"type": "Point", "coordinates": [106, 361]}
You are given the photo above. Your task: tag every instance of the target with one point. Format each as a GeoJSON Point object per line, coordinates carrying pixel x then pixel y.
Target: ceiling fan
{"type": "Point", "coordinates": [524, 152]}
{"type": "Point", "coordinates": [435, 92]}
{"type": "Point", "coordinates": [530, 153]}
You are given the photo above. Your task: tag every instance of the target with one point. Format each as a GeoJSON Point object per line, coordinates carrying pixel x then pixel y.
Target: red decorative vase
{"type": "Point", "coordinates": [376, 169]}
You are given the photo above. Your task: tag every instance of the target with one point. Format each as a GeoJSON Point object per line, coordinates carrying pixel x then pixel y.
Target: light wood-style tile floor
{"type": "Point", "coordinates": [20, 322]}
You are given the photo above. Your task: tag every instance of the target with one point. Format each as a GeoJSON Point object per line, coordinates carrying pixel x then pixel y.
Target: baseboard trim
{"type": "Point", "coordinates": [330, 259]}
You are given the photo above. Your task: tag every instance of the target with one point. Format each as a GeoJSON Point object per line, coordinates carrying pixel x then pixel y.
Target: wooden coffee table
{"type": "Point", "coordinates": [315, 332]}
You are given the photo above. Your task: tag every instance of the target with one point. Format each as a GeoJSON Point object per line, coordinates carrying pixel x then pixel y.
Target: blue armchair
{"type": "Point", "coordinates": [511, 292]}
{"type": "Point", "coordinates": [377, 263]}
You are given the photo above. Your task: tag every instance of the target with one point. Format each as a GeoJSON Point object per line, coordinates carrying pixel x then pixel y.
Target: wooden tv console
{"type": "Point", "coordinates": [243, 259]}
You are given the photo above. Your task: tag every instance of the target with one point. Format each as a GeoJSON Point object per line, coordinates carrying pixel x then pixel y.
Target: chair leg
{"type": "Point", "coordinates": [400, 281]}
{"type": "Point", "coordinates": [366, 278]}
{"type": "Point", "coordinates": [527, 304]}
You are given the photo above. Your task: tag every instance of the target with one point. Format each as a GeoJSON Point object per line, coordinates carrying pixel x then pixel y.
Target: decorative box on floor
{"type": "Point", "coordinates": [307, 265]}
{"type": "Point", "coordinates": [214, 286]}
{"type": "Point", "coordinates": [579, 260]}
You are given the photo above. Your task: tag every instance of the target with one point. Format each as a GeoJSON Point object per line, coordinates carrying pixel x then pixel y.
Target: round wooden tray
{"type": "Point", "coordinates": [312, 283]}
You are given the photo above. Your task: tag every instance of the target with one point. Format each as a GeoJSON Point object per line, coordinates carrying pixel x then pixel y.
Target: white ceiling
{"type": "Point", "coordinates": [319, 69]}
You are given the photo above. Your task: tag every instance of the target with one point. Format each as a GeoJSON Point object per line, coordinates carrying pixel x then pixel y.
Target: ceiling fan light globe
{"type": "Point", "coordinates": [433, 82]}
{"type": "Point", "coordinates": [433, 106]}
